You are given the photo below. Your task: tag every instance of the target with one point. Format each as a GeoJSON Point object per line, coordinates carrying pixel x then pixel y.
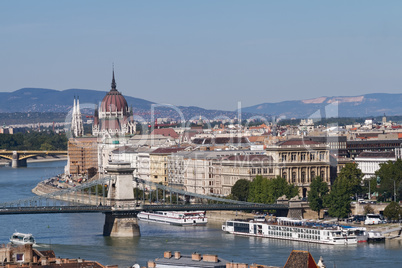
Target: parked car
{"type": "Point", "coordinates": [362, 201]}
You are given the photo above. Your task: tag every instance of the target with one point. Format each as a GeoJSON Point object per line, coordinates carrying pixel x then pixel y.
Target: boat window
{"type": "Point", "coordinates": [241, 227]}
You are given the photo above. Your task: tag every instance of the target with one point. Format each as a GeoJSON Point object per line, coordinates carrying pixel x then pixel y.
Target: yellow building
{"type": "Point", "coordinates": [159, 164]}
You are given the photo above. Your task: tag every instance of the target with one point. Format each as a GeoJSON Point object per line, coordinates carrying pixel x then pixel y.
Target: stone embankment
{"type": "Point", "coordinates": [222, 216]}
{"type": "Point", "coordinates": [46, 187]}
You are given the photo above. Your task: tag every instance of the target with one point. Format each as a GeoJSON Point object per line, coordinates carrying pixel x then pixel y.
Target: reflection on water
{"type": "Point", "coordinates": [80, 235]}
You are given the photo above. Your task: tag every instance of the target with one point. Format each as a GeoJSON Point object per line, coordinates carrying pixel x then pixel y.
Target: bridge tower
{"type": "Point", "coordinates": [120, 222]}
{"type": "Point", "coordinates": [16, 162]}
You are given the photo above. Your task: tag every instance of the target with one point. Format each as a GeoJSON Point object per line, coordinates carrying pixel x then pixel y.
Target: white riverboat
{"type": "Point", "coordinates": [291, 229]}
{"type": "Point", "coordinates": [181, 218]}
{"type": "Point", "coordinates": [375, 236]}
{"type": "Point", "coordinates": [22, 239]}
{"type": "Point", "coordinates": [360, 233]}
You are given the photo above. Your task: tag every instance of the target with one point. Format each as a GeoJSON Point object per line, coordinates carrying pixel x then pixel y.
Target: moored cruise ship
{"type": "Point", "coordinates": [290, 229]}
{"type": "Point", "coordinates": [181, 218]}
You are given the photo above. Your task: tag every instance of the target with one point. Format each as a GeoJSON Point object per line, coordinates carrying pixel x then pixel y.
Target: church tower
{"type": "Point", "coordinates": [77, 127]}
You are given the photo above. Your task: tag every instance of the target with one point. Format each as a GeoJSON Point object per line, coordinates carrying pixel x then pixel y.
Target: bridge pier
{"type": "Point", "coordinates": [121, 223]}
{"type": "Point", "coordinates": [296, 209]}
{"type": "Point", "coordinates": [16, 162]}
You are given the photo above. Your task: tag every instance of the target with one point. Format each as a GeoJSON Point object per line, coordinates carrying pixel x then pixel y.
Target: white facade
{"type": "Point", "coordinates": [369, 162]}
{"type": "Point", "coordinates": [144, 165]}
{"type": "Point", "coordinates": [105, 151]}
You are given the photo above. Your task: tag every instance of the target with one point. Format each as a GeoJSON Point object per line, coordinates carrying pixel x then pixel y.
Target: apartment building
{"type": "Point", "coordinates": [82, 156]}
{"type": "Point", "coordinates": [158, 160]}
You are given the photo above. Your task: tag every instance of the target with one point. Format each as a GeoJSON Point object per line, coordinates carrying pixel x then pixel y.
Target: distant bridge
{"type": "Point", "coordinates": [119, 203]}
{"type": "Point", "coordinates": [19, 158]}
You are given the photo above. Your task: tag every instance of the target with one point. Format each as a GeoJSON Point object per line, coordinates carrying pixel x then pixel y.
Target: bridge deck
{"type": "Point", "coordinates": [103, 209]}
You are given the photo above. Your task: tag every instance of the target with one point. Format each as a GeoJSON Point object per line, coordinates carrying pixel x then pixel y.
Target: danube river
{"type": "Point", "coordinates": [80, 235]}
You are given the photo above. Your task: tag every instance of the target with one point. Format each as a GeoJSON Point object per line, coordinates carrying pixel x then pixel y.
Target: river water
{"type": "Point", "coordinates": [80, 235]}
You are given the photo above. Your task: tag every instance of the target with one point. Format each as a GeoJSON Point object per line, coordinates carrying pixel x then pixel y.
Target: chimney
{"type": "Point", "coordinates": [167, 254]}
{"type": "Point", "coordinates": [210, 258]}
{"type": "Point", "coordinates": [177, 255]}
{"type": "Point", "coordinates": [196, 256]}
{"type": "Point", "coordinates": [28, 254]}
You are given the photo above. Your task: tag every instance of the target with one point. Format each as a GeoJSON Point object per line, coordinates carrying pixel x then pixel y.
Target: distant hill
{"type": "Point", "coordinates": [50, 100]}
{"type": "Point", "coordinates": [358, 106]}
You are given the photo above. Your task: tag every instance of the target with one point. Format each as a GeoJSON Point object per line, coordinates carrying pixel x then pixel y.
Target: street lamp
{"type": "Point", "coordinates": [394, 191]}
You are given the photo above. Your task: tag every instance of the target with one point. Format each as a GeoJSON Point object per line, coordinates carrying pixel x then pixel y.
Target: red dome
{"type": "Point", "coordinates": [114, 101]}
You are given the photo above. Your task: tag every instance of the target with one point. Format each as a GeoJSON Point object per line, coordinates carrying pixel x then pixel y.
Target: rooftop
{"type": "Point", "coordinates": [376, 154]}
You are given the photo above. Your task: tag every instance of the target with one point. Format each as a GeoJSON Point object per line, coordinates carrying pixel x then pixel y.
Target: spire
{"type": "Point", "coordinates": [78, 106]}
{"type": "Point", "coordinates": [74, 106]}
{"type": "Point", "coordinates": [113, 81]}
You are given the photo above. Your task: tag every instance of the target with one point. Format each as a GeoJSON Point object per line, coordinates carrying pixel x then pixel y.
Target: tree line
{"type": "Point", "coordinates": [45, 141]}
{"type": "Point", "coordinates": [337, 200]}
{"type": "Point", "coordinates": [262, 190]}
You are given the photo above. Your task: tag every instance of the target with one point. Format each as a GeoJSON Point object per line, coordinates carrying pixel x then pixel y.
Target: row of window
{"type": "Point", "coordinates": [303, 157]}
{"type": "Point", "coordinates": [303, 178]}
{"type": "Point", "coordinates": [262, 171]}
{"type": "Point", "coordinates": [294, 229]}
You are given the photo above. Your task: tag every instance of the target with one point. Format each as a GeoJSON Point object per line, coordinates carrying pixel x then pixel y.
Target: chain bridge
{"type": "Point", "coordinates": [121, 197]}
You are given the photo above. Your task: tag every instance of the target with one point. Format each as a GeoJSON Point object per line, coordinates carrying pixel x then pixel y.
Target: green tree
{"type": "Point", "coordinates": [393, 211]}
{"type": "Point", "coordinates": [33, 141]}
{"type": "Point", "coordinates": [347, 184]}
{"type": "Point", "coordinates": [318, 191]}
{"type": "Point", "coordinates": [46, 147]}
{"type": "Point", "coordinates": [256, 190]}
{"type": "Point", "coordinates": [263, 190]}
{"type": "Point", "coordinates": [338, 201]}
{"type": "Point", "coordinates": [351, 177]}
{"type": "Point", "coordinates": [390, 174]}
{"type": "Point", "coordinates": [240, 190]}
{"type": "Point", "coordinates": [278, 187]}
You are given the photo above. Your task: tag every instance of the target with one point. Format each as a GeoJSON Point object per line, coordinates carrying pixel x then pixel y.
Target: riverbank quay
{"type": "Point", "coordinates": [60, 182]}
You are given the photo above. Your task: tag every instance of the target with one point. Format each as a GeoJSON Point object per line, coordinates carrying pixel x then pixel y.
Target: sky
{"type": "Point", "coordinates": [212, 54]}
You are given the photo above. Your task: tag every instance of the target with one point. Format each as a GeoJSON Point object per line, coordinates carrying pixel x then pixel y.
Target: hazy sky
{"type": "Point", "coordinates": [204, 53]}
